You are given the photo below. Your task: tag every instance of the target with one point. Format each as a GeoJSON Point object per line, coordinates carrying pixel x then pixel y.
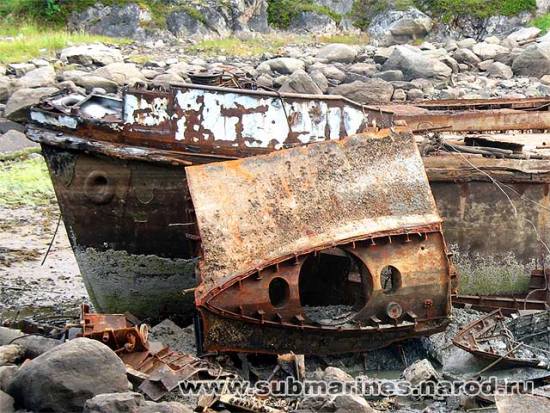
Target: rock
{"type": "Point", "coordinates": [545, 80]}
{"type": "Point", "coordinates": [466, 56]}
{"type": "Point", "coordinates": [167, 79]}
{"type": "Point", "coordinates": [399, 95]}
{"type": "Point", "coordinates": [300, 82]}
{"type": "Point", "coordinates": [282, 65]}
{"type": "Point", "coordinates": [333, 73]}
{"type": "Point", "coordinates": [11, 353]}
{"type": "Point", "coordinates": [265, 81]}
{"type": "Point", "coordinates": [382, 54]}
{"type": "Point", "coordinates": [336, 52]}
{"type": "Point", "coordinates": [41, 77]}
{"type": "Point", "coordinates": [415, 65]}
{"type": "Point", "coordinates": [399, 26]}
{"type": "Point", "coordinates": [90, 82]}
{"type": "Point", "coordinates": [128, 20]}
{"type": "Point", "coordinates": [524, 34]}
{"type": "Point", "coordinates": [483, 66]}
{"type": "Point", "coordinates": [365, 69]}
{"type": "Point", "coordinates": [320, 80]}
{"type": "Point", "coordinates": [335, 374]}
{"type": "Point", "coordinates": [352, 403]}
{"type": "Point", "coordinates": [33, 345]}
{"type": "Point", "coordinates": [452, 63]}
{"type": "Point", "coordinates": [164, 407]}
{"type": "Point", "coordinates": [415, 94]}
{"type": "Point", "coordinates": [6, 376]}
{"type": "Point", "coordinates": [114, 403]}
{"type": "Point", "coordinates": [21, 100]}
{"type": "Point", "coordinates": [390, 75]}
{"type": "Point", "coordinates": [534, 61]}
{"type": "Point", "coordinates": [492, 40]}
{"type": "Point", "coordinates": [6, 403]}
{"type": "Point", "coordinates": [312, 22]}
{"type": "Point", "coordinates": [5, 88]}
{"type": "Point", "coordinates": [466, 43]}
{"type": "Point", "coordinates": [420, 371]}
{"type": "Point", "coordinates": [19, 69]}
{"type": "Point", "coordinates": [120, 73]}
{"type": "Point", "coordinates": [488, 51]}
{"type": "Point", "coordinates": [182, 24]}
{"type": "Point", "coordinates": [130, 402]}
{"type": "Point", "coordinates": [91, 54]}
{"type": "Point", "coordinates": [369, 91]}
{"type": "Point", "coordinates": [499, 70]}
{"type": "Point", "coordinates": [63, 378]}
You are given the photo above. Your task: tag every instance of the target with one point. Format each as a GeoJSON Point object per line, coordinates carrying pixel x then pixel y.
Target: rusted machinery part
{"type": "Point", "coordinates": [276, 229]}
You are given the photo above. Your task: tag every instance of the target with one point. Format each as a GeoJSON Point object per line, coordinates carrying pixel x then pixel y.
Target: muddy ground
{"type": "Point", "coordinates": [54, 289]}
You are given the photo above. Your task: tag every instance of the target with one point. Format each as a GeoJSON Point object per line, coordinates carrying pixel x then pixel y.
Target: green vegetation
{"type": "Point", "coordinates": [29, 41]}
{"type": "Point", "coordinates": [542, 22]}
{"type": "Point", "coordinates": [483, 276]}
{"type": "Point", "coordinates": [25, 182]}
{"type": "Point", "coordinates": [281, 12]}
{"type": "Point", "coordinates": [233, 46]}
{"type": "Point", "coordinates": [362, 38]}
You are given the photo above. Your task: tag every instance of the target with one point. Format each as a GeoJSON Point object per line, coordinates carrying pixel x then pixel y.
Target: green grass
{"type": "Point", "coordinates": [28, 41]}
{"type": "Point", "coordinates": [233, 46]}
{"type": "Point", "coordinates": [362, 38]}
{"type": "Point", "coordinates": [25, 182]}
{"type": "Point", "coordinates": [542, 22]}
{"type": "Point", "coordinates": [486, 276]}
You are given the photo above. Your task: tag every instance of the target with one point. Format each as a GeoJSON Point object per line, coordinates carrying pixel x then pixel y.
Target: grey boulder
{"type": "Point", "coordinates": [337, 52]}
{"type": "Point", "coordinates": [300, 82]}
{"type": "Point", "coordinates": [533, 61]}
{"type": "Point", "coordinates": [41, 77]}
{"type": "Point", "coordinates": [91, 54]}
{"type": "Point", "coordinates": [22, 99]}
{"type": "Point", "coordinates": [281, 65]}
{"type": "Point", "coordinates": [415, 65]}
{"type": "Point", "coordinates": [62, 379]}
{"type": "Point", "coordinates": [130, 402]}
{"type": "Point", "coordinates": [6, 403]}
{"type": "Point", "coordinates": [120, 73]}
{"type": "Point", "coordinates": [368, 91]}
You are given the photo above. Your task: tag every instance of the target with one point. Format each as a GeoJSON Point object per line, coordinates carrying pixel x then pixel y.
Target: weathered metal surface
{"type": "Point", "coordinates": [269, 225]}
{"type": "Point", "coordinates": [521, 342]}
{"type": "Point", "coordinates": [156, 366]}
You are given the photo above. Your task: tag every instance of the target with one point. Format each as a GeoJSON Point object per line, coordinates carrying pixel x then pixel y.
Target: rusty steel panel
{"type": "Point", "coordinates": [270, 224]}
{"type": "Point", "coordinates": [218, 118]}
{"type": "Point", "coordinates": [306, 198]}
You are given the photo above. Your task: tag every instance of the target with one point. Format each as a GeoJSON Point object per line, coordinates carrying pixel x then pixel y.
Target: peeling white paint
{"type": "Point", "coordinates": [62, 121]}
{"type": "Point", "coordinates": [261, 120]}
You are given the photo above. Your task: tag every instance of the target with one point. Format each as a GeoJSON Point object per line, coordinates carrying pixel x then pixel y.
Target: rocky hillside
{"type": "Point", "coordinates": [387, 21]}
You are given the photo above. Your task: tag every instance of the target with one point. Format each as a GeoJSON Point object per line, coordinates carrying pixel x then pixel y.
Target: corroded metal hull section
{"type": "Point", "coordinates": [126, 224]}
{"type": "Point", "coordinates": [291, 238]}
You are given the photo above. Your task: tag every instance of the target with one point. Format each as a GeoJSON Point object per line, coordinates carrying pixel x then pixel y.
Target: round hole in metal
{"type": "Point", "coordinates": [279, 292]}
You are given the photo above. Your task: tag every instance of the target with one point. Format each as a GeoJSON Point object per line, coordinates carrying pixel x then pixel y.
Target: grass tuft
{"type": "Point", "coordinates": [542, 22]}
{"type": "Point", "coordinates": [25, 182]}
{"type": "Point", "coordinates": [27, 41]}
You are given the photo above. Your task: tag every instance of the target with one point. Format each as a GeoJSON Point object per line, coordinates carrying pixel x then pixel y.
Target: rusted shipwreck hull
{"type": "Point", "coordinates": [330, 248]}
{"type": "Point", "coordinates": [118, 171]}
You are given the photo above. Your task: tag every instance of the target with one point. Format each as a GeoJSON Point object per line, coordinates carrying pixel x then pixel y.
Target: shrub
{"type": "Point", "coordinates": [281, 12]}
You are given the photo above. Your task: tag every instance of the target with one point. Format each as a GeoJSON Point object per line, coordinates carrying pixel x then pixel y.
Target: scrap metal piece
{"type": "Point", "coordinates": [520, 342]}
{"type": "Point", "coordinates": [330, 248]}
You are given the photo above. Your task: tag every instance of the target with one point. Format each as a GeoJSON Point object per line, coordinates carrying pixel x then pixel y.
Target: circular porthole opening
{"type": "Point", "coordinates": [97, 187]}
{"type": "Point", "coordinates": [279, 292]}
{"type": "Point", "coordinates": [390, 279]}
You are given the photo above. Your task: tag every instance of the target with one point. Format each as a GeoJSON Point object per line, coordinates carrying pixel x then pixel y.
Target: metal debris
{"type": "Point", "coordinates": [521, 342]}
{"type": "Point", "coordinates": [335, 223]}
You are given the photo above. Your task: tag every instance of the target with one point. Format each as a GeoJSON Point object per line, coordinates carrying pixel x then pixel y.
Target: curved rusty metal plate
{"type": "Point", "coordinates": [256, 210]}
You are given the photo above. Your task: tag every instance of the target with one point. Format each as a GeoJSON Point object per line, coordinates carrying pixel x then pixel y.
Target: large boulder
{"type": "Point", "coordinates": [488, 51]}
{"type": "Point", "coordinates": [5, 88]}
{"type": "Point", "coordinates": [336, 52]}
{"type": "Point", "coordinates": [281, 65]}
{"type": "Point", "coordinates": [130, 402]}
{"type": "Point", "coordinates": [63, 378]}
{"type": "Point", "coordinates": [499, 70]}
{"type": "Point", "coordinates": [399, 26]}
{"type": "Point", "coordinates": [533, 61]}
{"type": "Point", "coordinates": [524, 34]}
{"type": "Point", "coordinates": [6, 403]}
{"type": "Point", "coordinates": [11, 353]}
{"type": "Point", "coordinates": [120, 73]}
{"type": "Point", "coordinates": [300, 82]}
{"type": "Point", "coordinates": [125, 20]}
{"type": "Point", "coordinates": [91, 54]}
{"type": "Point", "coordinates": [466, 56]}
{"type": "Point", "coordinates": [312, 22]}
{"type": "Point", "coordinates": [22, 99]}
{"type": "Point", "coordinates": [249, 15]}
{"type": "Point", "coordinates": [352, 403]}
{"type": "Point", "coordinates": [368, 91]}
{"type": "Point", "coordinates": [7, 373]}
{"type": "Point", "coordinates": [41, 77]}
{"type": "Point", "coordinates": [415, 65]}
